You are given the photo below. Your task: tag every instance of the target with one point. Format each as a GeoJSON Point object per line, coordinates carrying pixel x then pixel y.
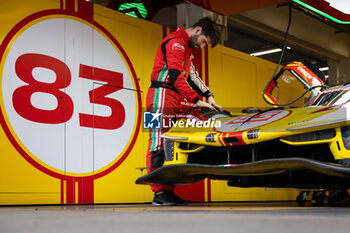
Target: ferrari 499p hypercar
{"type": "Point", "coordinates": [306, 146]}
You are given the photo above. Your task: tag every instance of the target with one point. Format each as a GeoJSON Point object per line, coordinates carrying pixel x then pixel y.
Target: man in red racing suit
{"type": "Point", "coordinates": [174, 79]}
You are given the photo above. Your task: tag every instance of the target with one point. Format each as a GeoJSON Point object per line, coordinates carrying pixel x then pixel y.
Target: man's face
{"type": "Point", "coordinates": [199, 40]}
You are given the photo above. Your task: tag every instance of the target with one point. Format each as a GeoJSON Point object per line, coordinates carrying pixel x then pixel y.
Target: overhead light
{"type": "Point", "coordinates": [266, 52]}
{"type": "Point", "coordinates": [324, 68]}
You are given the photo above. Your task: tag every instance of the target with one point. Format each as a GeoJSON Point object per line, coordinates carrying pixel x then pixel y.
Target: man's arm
{"type": "Point", "coordinates": [198, 85]}
{"type": "Point", "coordinates": [175, 57]}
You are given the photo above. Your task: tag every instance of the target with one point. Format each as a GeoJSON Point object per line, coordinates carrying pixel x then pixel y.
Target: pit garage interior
{"type": "Point", "coordinates": [258, 27]}
{"type": "Point", "coordinates": [82, 193]}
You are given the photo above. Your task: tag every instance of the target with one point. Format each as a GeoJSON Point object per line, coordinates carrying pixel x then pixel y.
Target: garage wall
{"type": "Point", "coordinates": [237, 78]}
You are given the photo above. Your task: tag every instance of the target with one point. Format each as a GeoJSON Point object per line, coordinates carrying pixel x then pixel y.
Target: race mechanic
{"type": "Point", "coordinates": [174, 78]}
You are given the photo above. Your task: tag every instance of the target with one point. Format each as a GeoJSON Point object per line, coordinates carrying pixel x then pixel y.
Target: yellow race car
{"type": "Point", "coordinates": [303, 141]}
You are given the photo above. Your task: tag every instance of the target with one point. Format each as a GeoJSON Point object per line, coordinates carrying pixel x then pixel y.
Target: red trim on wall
{"type": "Point", "coordinates": [77, 190]}
{"type": "Point", "coordinates": [164, 31]}
{"type": "Point", "coordinates": [70, 7]}
{"type": "Point", "coordinates": [206, 65]}
{"type": "Point", "coordinates": [206, 81]}
{"type": "Point", "coordinates": [86, 10]}
{"type": "Point", "coordinates": [62, 191]}
{"type": "Point", "coordinates": [209, 190]}
{"type": "Point", "coordinates": [86, 190]}
{"type": "Point", "coordinates": [70, 190]}
{"type": "Point", "coordinates": [198, 63]}
{"type": "Point", "coordinates": [194, 192]}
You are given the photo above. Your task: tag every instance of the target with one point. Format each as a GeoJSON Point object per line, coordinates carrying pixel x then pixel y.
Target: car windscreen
{"type": "Point", "coordinates": [289, 88]}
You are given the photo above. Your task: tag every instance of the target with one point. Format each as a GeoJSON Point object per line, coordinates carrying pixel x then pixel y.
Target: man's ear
{"type": "Point", "coordinates": [197, 30]}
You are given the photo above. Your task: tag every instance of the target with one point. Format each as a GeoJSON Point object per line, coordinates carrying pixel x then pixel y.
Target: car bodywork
{"type": "Point", "coordinates": [304, 145]}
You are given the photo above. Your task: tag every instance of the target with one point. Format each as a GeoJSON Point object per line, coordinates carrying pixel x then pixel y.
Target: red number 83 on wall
{"type": "Point", "coordinates": [71, 102]}
{"type": "Point", "coordinates": [65, 107]}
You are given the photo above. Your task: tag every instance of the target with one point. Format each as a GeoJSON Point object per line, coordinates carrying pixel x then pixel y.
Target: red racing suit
{"type": "Point", "coordinates": [174, 79]}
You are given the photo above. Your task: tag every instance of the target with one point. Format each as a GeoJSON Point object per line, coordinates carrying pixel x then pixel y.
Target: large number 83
{"type": "Point", "coordinates": [63, 112]}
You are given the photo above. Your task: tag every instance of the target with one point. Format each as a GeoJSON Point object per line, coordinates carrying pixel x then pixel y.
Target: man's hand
{"type": "Point", "coordinates": [211, 104]}
{"type": "Point", "coordinates": [211, 101]}
{"type": "Point", "coordinates": [203, 104]}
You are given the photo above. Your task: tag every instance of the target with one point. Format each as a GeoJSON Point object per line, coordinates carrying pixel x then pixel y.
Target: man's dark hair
{"type": "Point", "coordinates": [210, 29]}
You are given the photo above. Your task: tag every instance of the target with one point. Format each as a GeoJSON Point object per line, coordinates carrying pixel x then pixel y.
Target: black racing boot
{"type": "Point", "coordinates": [178, 199]}
{"type": "Point", "coordinates": [163, 198]}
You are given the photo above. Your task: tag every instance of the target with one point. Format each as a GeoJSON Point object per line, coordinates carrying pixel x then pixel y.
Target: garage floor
{"type": "Point", "coordinates": [198, 217]}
